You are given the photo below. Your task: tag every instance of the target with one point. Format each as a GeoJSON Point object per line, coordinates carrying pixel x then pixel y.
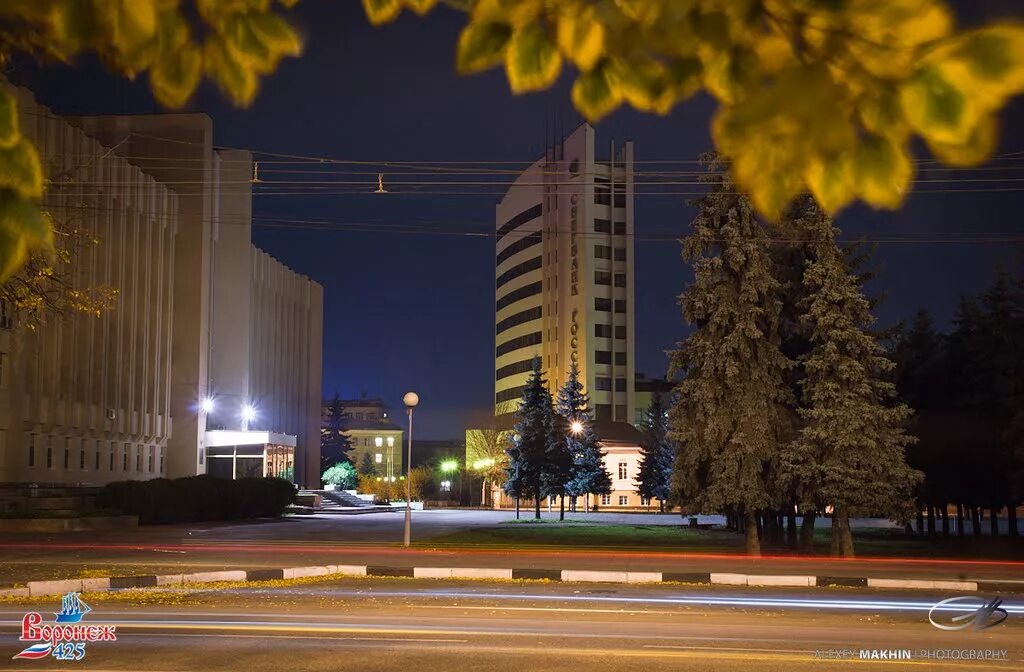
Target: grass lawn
{"type": "Point", "coordinates": [584, 534]}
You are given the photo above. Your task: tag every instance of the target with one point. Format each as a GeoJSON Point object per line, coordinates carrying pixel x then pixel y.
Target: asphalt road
{"type": "Point", "coordinates": [371, 625]}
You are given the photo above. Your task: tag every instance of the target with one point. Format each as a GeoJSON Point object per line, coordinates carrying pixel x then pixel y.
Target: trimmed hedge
{"type": "Point", "coordinates": [198, 498]}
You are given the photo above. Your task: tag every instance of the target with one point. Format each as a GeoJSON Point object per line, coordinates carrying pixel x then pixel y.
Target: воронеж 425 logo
{"type": "Point", "coordinates": [66, 637]}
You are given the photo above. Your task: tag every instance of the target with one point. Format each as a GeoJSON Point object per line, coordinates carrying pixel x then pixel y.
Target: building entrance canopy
{"type": "Point", "coordinates": [250, 454]}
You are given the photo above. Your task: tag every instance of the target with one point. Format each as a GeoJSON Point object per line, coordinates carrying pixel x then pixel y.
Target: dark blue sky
{"type": "Point", "coordinates": [411, 311]}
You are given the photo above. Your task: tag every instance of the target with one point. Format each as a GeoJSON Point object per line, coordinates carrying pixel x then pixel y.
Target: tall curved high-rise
{"type": "Point", "coordinates": [564, 276]}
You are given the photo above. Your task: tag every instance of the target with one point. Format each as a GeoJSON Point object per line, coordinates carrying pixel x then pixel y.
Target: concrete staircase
{"type": "Point", "coordinates": [343, 498]}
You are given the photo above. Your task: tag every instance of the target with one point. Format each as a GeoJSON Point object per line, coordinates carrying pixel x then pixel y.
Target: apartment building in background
{"type": "Point", "coordinates": [210, 361]}
{"type": "Point", "coordinates": [372, 431]}
{"type": "Point", "coordinates": [564, 276]}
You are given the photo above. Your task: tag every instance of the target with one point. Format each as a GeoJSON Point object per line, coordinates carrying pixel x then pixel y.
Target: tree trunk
{"type": "Point", "coordinates": [976, 521]}
{"type": "Point", "coordinates": [483, 494]}
{"type": "Point", "coordinates": [944, 512]}
{"type": "Point", "coordinates": [536, 507]}
{"type": "Point", "coordinates": [846, 536]}
{"type": "Point", "coordinates": [931, 521]}
{"type": "Point", "coordinates": [807, 531]}
{"type": "Point", "coordinates": [994, 521]}
{"type": "Point", "coordinates": [753, 542]}
{"type": "Point", "coordinates": [586, 502]}
{"type": "Point", "coordinates": [959, 520]}
{"type": "Point", "coordinates": [561, 507]}
{"type": "Point", "coordinates": [517, 507]}
{"type": "Point", "coordinates": [1011, 519]}
{"type": "Point", "coordinates": [834, 547]}
{"type": "Point", "coordinates": [791, 537]}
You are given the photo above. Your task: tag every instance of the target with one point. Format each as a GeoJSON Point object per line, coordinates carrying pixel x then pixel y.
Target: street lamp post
{"type": "Point", "coordinates": [410, 399]}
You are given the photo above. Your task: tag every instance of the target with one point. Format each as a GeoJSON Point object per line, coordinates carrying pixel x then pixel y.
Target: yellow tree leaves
{"type": "Point", "coordinates": [814, 96]}
{"type": "Point", "coordinates": [242, 40]}
{"type": "Point", "coordinates": [23, 226]}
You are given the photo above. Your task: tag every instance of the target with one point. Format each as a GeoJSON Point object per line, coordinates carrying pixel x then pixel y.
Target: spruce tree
{"type": "Point", "coordinates": [730, 416]}
{"type": "Point", "coordinates": [529, 452]}
{"type": "Point", "coordinates": [334, 443]}
{"type": "Point", "coordinates": [657, 455]}
{"type": "Point", "coordinates": [367, 467]}
{"type": "Point", "coordinates": [588, 475]}
{"type": "Point", "coordinates": [851, 442]}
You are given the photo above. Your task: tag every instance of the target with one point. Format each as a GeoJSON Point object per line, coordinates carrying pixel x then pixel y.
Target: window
{"type": "Point", "coordinates": [513, 369]}
{"type": "Point", "coordinates": [49, 454]}
{"type": "Point", "coordinates": [31, 450]}
{"type": "Point", "coordinates": [378, 458]}
{"type": "Point", "coordinates": [620, 358]}
{"type": "Point", "coordinates": [620, 228]}
{"type": "Point", "coordinates": [518, 246]}
{"type": "Point", "coordinates": [603, 384]}
{"type": "Point", "coordinates": [620, 279]}
{"type": "Point", "coordinates": [81, 457]}
{"type": "Point", "coordinates": [124, 458]}
{"type": "Point", "coordinates": [603, 357]}
{"type": "Point", "coordinates": [602, 278]}
{"type": "Point", "coordinates": [6, 322]}
{"type": "Point", "coordinates": [518, 294]}
{"type": "Point", "coordinates": [523, 316]}
{"type": "Point", "coordinates": [520, 219]}
{"type": "Point", "coordinates": [152, 459]}
{"type": "Point", "coordinates": [138, 459]}
{"type": "Point", "coordinates": [623, 471]}
{"type": "Point", "coordinates": [509, 394]}
{"type": "Point", "coordinates": [604, 305]}
{"type": "Point", "coordinates": [111, 456]}
{"type": "Point", "coordinates": [67, 453]}
{"type": "Point", "coordinates": [602, 252]}
{"type": "Point", "coordinates": [602, 226]}
{"type": "Point", "coordinates": [96, 466]}
{"type": "Point", "coordinates": [645, 501]}
{"type": "Point", "coordinates": [517, 270]}
{"type": "Point", "coordinates": [620, 385]}
{"type": "Point", "coordinates": [620, 331]}
{"type": "Point", "coordinates": [161, 460]}
{"type": "Point", "coordinates": [620, 412]}
{"type": "Point", "coordinates": [603, 330]}
{"type": "Point", "coordinates": [603, 412]}
{"type": "Point", "coordinates": [524, 341]}
{"type": "Point", "coordinates": [3, 370]}
{"type": "Point", "coordinates": [620, 254]}
{"type": "Point", "coordinates": [620, 305]}
{"type": "Point", "coordinates": [606, 500]}
{"type": "Point", "coordinates": [623, 500]}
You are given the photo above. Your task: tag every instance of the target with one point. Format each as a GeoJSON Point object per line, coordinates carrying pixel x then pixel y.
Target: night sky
{"type": "Point", "coordinates": [411, 311]}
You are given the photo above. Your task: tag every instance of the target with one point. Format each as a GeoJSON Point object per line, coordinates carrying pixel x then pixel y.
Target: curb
{"type": "Point", "coordinates": [63, 586]}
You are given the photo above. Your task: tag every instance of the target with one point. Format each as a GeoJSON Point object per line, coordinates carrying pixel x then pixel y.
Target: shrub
{"type": "Point", "coordinates": [342, 475]}
{"type": "Point", "coordinates": [198, 498]}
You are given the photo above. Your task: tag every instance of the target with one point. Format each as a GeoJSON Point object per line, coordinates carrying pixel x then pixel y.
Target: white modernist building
{"type": "Point", "coordinates": [208, 332]}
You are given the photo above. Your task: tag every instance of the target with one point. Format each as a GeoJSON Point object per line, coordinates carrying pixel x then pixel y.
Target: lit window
{"type": "Point", "coordinates": [378, 458]}
{"type": "Point", "coordinates": [606, 500]}
{"type": "Point", "coordinates": [645, 501]}
{"type": "Point", "coordinates": [623, 500]}
{"type": "Point", "coordinates": [623, 471]}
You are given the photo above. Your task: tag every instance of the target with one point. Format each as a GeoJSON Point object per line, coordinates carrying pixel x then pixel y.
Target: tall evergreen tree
{"type": "Point", "coordinates": [851, 441]}
{"type": "Point", "coordinates": [529, 452]}
{"type": "Point", "coordinates": [657, 455]}
{"type": "Point", "coordinates": [367, 467]}
{"type": "Point", "coordinates": [588, 475]}
{"type": "Point", "coordinates": [334, 443]}
{"type": "Point", "coordinates": [730, 416]}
